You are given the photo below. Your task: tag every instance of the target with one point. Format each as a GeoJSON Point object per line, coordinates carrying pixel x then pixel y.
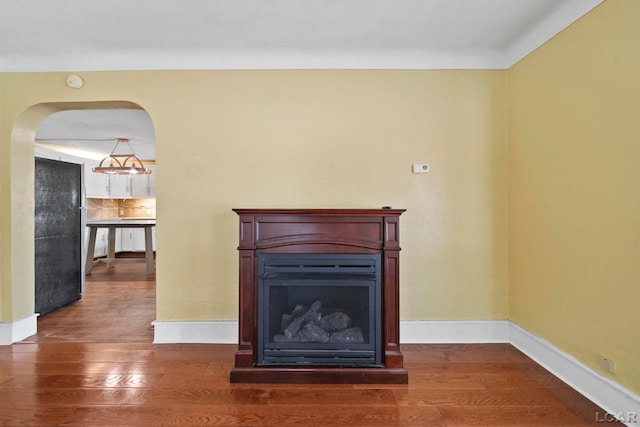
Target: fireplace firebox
{"type": "Point", "coordinates": [319, 309]}
{"type": "Point", "coordinates": [319, 296]}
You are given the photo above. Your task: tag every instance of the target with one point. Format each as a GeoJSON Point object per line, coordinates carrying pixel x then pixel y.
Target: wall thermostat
{"type": "Point", "coordinates": [421, 168]}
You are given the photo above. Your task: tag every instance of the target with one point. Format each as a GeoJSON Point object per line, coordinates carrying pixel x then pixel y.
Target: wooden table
{"type": "Point", "coordinates": [112, 225]}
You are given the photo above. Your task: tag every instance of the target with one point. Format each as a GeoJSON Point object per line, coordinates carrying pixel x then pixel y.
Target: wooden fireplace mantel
{"type": "Point", "coordinates": [312, 231]}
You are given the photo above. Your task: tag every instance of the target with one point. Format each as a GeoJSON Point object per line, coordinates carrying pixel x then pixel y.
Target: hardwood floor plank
{"type": "Point", "coordinates": [34, 416]}
{"type": "Point", "coordinates": [478, 416]}
{"type": "Point", "coordinates": [438, 397]}
{"type": "Point", "coordinates": [63, 397]}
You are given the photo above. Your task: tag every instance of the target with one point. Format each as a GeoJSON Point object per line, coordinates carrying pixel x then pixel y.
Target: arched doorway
{"type": "Point", "coordinates": [22, 190]}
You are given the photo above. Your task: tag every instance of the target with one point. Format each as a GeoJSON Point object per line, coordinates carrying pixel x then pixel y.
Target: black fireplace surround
{"type": "Point", "coordinates": [319, 309]}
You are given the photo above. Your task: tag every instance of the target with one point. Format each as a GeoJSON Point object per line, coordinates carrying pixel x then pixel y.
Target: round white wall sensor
{"type": "Point", "coordinates": [74, 81]}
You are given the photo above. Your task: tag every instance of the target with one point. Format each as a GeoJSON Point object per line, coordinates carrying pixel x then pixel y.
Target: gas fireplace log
{"type": "Point", "coordinates": [335, 321]}
{"type": "Point", "coordinates": [296, 324]}
{"type": "Point", "coordinates": [294, 327]}
{"type": "Point", "coordinates": [312, 332]}
{"type": "Point", "coordinates": [314, 310]}
{"type": "Point", "coordinates": [286, 321]}
{"type": "Point", "coordinates": [351, 335]}
{"type": "Point", "coordinates": [282, 338]}
{"type": "Point", "coordinates": [298, 311]}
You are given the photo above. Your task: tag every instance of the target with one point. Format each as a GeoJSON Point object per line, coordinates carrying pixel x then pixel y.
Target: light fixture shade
{"type": "Point", "coordinates": [122, 164]}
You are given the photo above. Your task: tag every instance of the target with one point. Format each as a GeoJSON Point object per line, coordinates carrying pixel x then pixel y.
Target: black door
{"type": "Point", "coordinates": [58, 244]}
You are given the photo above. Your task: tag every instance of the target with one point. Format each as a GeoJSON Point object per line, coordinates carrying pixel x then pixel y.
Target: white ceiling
{"type": "Point", "coordinates": [81, 35]}
{"type": "Point", "coordinates": [91, 134]}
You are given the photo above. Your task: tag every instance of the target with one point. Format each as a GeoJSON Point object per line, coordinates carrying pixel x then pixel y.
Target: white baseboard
{"type": "Point", "coordinates": [18, 330]}
{"type": "Point", "coordinates": [226, 332]}
{"type": "Point", "coordinates": [209, 332]}
{"type": "Point", "coordinates": [610, 396]}
{"type": "Point", "coordinates": [454, 331]}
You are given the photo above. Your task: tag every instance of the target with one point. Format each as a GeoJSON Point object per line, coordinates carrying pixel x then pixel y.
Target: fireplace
{"type": "Point", "coordinates": [319, 296]}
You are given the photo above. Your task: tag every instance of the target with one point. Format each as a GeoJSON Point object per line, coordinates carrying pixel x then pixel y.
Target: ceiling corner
{"type": "Point", "coordinates": [547, 28]}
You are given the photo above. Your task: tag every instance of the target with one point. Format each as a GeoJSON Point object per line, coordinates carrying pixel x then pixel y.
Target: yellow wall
{"type": "Point", "coordinates": [574, 199]}
{"type": "Point", "coordinates": [297, 139]}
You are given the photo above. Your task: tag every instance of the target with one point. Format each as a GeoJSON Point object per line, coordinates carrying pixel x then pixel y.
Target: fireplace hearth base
{"type": "Point", "coordinates": [318, 231]}
{"type": "Point", "coordinates": [319, 375]}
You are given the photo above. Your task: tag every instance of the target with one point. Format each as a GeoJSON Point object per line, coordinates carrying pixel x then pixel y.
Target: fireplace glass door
{"type": "Point", "coordinates": [320, 309]}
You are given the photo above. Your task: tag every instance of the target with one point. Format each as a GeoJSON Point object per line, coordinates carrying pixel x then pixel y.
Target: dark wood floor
{"type": "Point", "coordinates": [93, 364]}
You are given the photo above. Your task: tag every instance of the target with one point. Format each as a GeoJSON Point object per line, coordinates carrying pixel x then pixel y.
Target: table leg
{"type": "Point", "coordinates": [91, 248]}
{"type": "Point", "coordinates": [148, 249]}
{"type": "Point", "coordinates": [112, 247]}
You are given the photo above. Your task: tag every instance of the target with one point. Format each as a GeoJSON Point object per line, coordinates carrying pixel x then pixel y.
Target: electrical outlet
{"type": "Point", "coordinates": [121, 211]}
{"type": "Point", "coordinates": [607, 365]}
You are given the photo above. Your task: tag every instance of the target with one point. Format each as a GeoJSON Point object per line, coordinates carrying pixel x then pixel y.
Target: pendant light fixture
{"type": "Point", "coordinates": [122, 163]}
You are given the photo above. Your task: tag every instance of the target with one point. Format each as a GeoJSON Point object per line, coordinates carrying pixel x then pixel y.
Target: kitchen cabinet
{"type": "Point", "coordinates": [132, 240]}
{"type": "Point", "coordinates": [143, 185]}
{"type": "Point", "coordinates": [100, 185]}
{"type": "Point", "coordinates": [119, 186]}
{"type": "Point", "coordinates": [124, 241]}
{"type": "Point", "coordinates": [95, 184]}
{"type": "Point", "coordinates": [127, 240]}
